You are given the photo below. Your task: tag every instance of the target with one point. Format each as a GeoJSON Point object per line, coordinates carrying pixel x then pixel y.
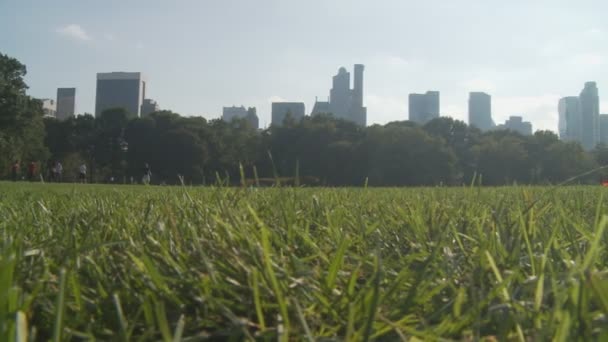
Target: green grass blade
{"type": "Point", "coordinates": [335, 265]}
{"type": "Point", "coordinates": [60, 307]}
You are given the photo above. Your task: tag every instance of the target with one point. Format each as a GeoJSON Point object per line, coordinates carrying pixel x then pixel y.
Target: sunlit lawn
{"type": "Point", "coordinates": [170, 263]}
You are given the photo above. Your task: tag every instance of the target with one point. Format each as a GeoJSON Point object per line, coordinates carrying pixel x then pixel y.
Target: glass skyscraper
{"type": "Point", "coordinates": [480, 111]}
{"type": "Point", "coordinates": [120, 90]}
{"type": "Point", "coordinates": [590, 116]}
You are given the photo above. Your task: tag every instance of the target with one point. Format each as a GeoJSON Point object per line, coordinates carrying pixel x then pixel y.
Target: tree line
{"type": "Point", "coordinates": [318, 150]}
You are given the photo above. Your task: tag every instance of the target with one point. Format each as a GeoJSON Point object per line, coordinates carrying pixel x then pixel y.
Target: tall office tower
{"type": "Point", "coordinates": [358, 86]}
{"type": "Point", "coordinates": [66, 103]}
{"type": "Point", "coordinates": [416, 105]}
{"type": "Point", "coordinates": [148, 107]}
{"type": "Point", "coordinates": [480, 111]}
{"type": "Point", "coordinates": [517, 124]}
{"type": "Point", "coordinates": [252, 117]}
{"type": "Point", "coordinates": [590, 116]}
{"type": "Point", "coordinates": [424, 107]}
{"type": "Point", "coordinates": [49, 108]}
{"type": "Point", "coordinates": [345, 103]}
{"type": "Point", "coordinates": [340, 94]}
{"type": "Point", "coordinates": [358, 113]}
{"type": "Point", "coordinates": [120, 90]}
{"type": "Point", "coordinates": [281, 109]}
{"type": "Point", "coordinates": [569, 124]}
{"type": "Point", "coordinates": [604, 129]}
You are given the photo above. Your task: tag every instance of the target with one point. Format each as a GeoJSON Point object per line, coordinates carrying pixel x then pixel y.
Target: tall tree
{"type": "Point", "coordinates": [461, 138]}
{"type": "Point", "coordinates": [21, 126]}
{"type": "Point", "coordinates": [501, 158]}
{"type": "Point", "coordinates": [402, 155]}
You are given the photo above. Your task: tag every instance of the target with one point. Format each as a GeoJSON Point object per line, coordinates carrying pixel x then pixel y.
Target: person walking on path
{"type": "Point", "coordinates": [82, 173]}
{"type": "Point", "coordinates": [54, 172]}
{"type": "Point", "coordinates": [147, 174]}
{"type": "Point", "coordinates": [50, 166]}
{"type": "Point", "coordinates": [15, 171]}
{"type": "Point", "coordinates": [31, 171]}
{"type": "Point", "coordinates": [59, 171]}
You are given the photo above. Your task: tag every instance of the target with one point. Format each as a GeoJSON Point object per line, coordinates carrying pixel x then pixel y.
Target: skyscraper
{"type": "Point", "coordinates": [252, 117]}
{"type": "Point", "coordinates": [49, 108]}
{"type": "Point", "coordinates": [340, 94]}
{"type": "Point", "coordinates": [280, 110]}
{"type": "Point", "coordinates": [358, 113]}
{"type": "Point", "coordinates": [569, 124]}
{"type": "Point", "coordinates": [120, 90]}
{"type": "Point", "coordinates": [345, 103]}
{"type": "Point", "coordinates": [480, 111]}
{"type": "Point", "coordinates": [66, 103]}
{"type": "Point", "coordinates": [320, 107]}
{"type": "Point", "coordinates": [517, 124]}
{"type": "Point", "coordinates": [234, 112]}
{"type": "Point", "coordinates": [424, 107]}
{"type": "Point", "coordinates": [148, 107]}
{"type": "Point", "coordinates": [604, 129]}
{"type": "Point", "coordinates": [590, 116]}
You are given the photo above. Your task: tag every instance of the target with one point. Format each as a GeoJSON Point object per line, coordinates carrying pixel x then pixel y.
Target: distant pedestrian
{"type": "Point", "coordinates": [59, 171]}
{"type": "Point", "coordinates": [147, 174]}
{"type": "Point", "coordinates": [50, 173]}
{"type": "Point", "coordinates": [15, 171]}
{"type": "Point", "coordinates": [54, 172]}
{"type": "Point", "coordinates": [82, 173]}
{"type": "Point", "coordinates": [31, 171]}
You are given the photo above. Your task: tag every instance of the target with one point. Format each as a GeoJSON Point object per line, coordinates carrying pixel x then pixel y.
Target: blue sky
{"type": "Point", "coordinates": [201, 55]}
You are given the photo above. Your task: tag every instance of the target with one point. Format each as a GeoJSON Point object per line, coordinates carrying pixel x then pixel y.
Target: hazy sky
{"type": "Point", "coordinates": [201, 55]}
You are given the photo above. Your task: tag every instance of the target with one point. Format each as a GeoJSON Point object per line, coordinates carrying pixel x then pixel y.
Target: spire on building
{"type": "Point", "coordinates": [343, 102]}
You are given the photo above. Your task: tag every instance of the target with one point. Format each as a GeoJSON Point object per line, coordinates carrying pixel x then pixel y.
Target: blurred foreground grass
{"type": "Point", "coordinates": [152, 263]}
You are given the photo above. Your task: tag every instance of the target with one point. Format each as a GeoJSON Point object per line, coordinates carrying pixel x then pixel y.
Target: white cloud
{"type": "Point", "coordinates": [276, 98]}
{"type": "Point", "coordinates": [108, 36]}
{"type": "Point", "coordinates": [74, 31]}
{"type": "Point", "coordinates": [139, 45]}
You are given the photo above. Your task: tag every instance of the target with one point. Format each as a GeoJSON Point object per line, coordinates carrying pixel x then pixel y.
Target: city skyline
{"type": "Point", "coordinates": [526, 68]}
{"type": "Point", "coordinates": [421, 107]}
{"type": "Point", "coordinates": [575, 119]}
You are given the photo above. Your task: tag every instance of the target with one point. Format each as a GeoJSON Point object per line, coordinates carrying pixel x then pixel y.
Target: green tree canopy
{"type": "Point", "coordinates": [21, 126]}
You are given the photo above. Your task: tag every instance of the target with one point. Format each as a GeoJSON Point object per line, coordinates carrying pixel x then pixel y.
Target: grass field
{"type": "Point", "coordinates": [170, 263]}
